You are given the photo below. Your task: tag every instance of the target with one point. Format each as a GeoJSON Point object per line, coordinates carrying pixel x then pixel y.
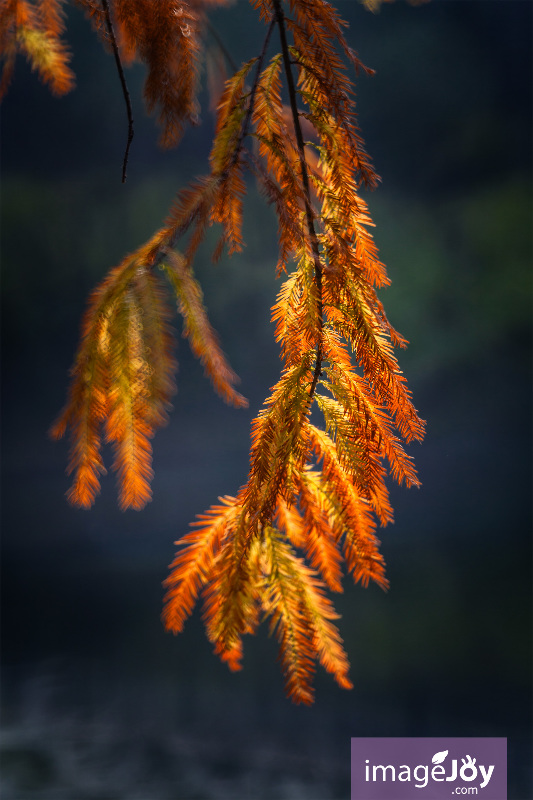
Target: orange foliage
{"type": "Point", "coordinates": [123, 375]}
{"type": "Point", "coordinates": [34, 29]}
{"type": "Point", "coordinates": [309, 490]}
{"type": "Point", "coordinates": [121, 385]}
{"type": "Point", "coordinates": [165, 35]}
{"type": "Point", "coordinates": [313, 496]}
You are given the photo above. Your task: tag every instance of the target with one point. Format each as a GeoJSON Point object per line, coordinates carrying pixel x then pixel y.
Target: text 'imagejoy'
{"type": "Point", "coordinates": [409, 768]}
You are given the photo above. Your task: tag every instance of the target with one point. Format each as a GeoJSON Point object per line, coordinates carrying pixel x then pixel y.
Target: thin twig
{"type": "Point", "coordinates": [125, 91]}
{"type": "Point", "coordinates": [249, 111]}
{"type": "Point", "coordinates": [280, 19]}
{"type": "Point", "coordinates": [170, 242]}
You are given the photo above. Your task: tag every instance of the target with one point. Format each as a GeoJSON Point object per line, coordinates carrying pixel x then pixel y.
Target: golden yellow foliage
{"type": "Point", "coordinates": [314, 495]}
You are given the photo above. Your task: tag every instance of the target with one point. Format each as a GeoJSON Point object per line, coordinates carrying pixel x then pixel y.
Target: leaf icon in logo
{"type": "Point", "coordinates": [438, 758]}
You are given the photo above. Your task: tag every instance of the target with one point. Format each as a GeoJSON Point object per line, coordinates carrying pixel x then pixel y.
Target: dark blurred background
{"type": "Point", "coordinates": [98, 701]}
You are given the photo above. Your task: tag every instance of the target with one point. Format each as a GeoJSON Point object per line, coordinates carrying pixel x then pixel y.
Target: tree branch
{"type": "Point", "coordinates": [125, 91]}
{"type": "Point", "coordinates": [280, 19]}
{"type": "Point", "coordinates": [250, 109]}
{"type": "Point", "coordinates": [159, 254]}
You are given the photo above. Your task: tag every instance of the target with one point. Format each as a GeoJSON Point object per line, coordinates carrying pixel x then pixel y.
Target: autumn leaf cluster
{"type": "Point", "coordinates": [315, 493]}
{"type": "Point", "coordinates": [165, 36]}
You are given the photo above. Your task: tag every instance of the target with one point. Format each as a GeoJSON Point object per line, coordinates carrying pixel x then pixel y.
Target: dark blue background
{"type": "Point", "coordinates": [99, 702]}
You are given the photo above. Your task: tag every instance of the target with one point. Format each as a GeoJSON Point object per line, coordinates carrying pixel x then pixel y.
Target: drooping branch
{"type": "Point", "coordinates": [280, 19]}
{"type": "Point", "coordinates": [313, 497]}
{"type": "Point", "coordinates": [249, 111]}
{"type": "Point", "coordinates": [125, 91]}
{"type": "Point", "coordinates": [169, 242]}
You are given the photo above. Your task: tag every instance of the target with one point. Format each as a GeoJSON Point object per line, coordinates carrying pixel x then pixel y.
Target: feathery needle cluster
{"type": "Point", "coordinates": [314, 495]}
